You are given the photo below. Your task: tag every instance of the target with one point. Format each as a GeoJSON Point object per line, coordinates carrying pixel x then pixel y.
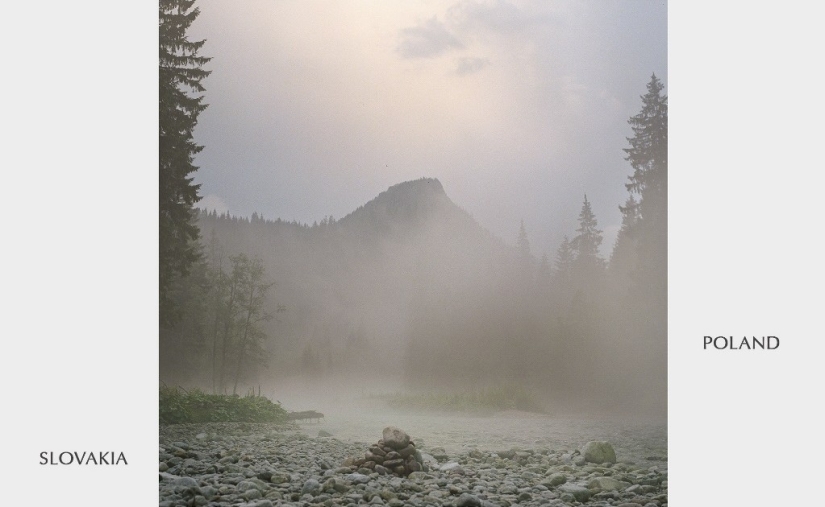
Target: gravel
{"type": "Point", "coordinates": [471, 462]}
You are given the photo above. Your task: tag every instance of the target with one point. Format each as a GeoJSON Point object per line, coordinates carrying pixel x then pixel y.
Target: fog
{"type": "Point", "coordinates": [409, 296]}
{"type": "Point", "coordinates": [435, 206]}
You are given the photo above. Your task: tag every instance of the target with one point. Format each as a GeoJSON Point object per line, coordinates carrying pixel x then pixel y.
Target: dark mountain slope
{"type": "Point", "coordinates": [352, 288]}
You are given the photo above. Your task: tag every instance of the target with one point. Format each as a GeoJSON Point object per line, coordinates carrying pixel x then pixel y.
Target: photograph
{"type": "Point", "coordinates": [413, 253]}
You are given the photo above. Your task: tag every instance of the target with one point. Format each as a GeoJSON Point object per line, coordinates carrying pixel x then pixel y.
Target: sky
{"type": "Point", "coordinates": [519, 108]}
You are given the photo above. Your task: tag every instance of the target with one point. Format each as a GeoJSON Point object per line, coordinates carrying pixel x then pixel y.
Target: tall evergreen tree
{"type": "Point", "coordinates": [180, 74]}
{"type": "Point", "coordinates": [648, 153]}
{"type": "Point", "coordinates": [646, 217]}
{"type": "Point", "coordinates": [588, 264]}
{"type": "Point", "coordinates": [639, 261]}
{"type": "Point", "coordinates": [589, 238]}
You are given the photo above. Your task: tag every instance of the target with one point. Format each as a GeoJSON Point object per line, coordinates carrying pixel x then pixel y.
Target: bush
{"type": "Point", "coordinates": [195, 406]}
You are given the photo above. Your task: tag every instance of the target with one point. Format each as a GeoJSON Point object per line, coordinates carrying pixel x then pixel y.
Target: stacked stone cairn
{"type": "Point", "coordinates": [395, 454]}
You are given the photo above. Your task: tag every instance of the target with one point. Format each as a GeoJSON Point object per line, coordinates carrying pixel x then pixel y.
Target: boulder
{"type": "Point", "coordinates": [598, 452]}
{"type": "Point", "coordinates": [395, 438]}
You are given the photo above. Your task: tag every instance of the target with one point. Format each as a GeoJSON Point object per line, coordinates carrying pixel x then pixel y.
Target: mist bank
{"type": "Point", "coordinates": [409, 294]}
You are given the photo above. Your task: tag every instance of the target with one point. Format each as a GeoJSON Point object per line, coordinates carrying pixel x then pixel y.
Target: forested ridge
{"type": "Point", "coordinates": [409, 286]}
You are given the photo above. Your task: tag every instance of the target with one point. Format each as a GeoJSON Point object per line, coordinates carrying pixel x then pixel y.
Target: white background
{"type": "Point", "coordinates": [79, 158]}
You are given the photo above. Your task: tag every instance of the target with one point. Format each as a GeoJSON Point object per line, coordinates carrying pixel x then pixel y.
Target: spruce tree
{"type": "Point", "coordinates": [646, 217]}
{"type": "Point", "coordinates": [589, 238]}
{"type": "Point", "coordinates": [643, 237]}
{"type": "Point", "coordinates": [180, 74]}
{"type": "Point", "coordinates": [588, 265]}
{"type": "Point", "coordinates": [648, 153]}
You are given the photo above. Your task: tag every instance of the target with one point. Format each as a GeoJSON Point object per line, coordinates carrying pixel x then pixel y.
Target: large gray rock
{"type": "Point", "coordinates": [599, 452]}
{"type": "Point", "coordinates": [396, 437]}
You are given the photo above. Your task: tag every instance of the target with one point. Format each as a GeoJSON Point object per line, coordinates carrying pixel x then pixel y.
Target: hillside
{"type": "Point", "coordinates": [409, 291]}
{"type": "Point", "coordinates": [352, 285]}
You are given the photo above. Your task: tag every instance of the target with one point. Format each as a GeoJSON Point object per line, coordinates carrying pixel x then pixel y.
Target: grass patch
{"type": "Point", "coordinates": [180, 406]}
{"type": "Point", "coordinates": [493, 399]}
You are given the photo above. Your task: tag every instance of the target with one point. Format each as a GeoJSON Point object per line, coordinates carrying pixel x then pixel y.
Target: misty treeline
{"type": "Point", "coordinates": [225, 302]}
{"type": "Point", "coordinates": [180, 74]}
{"type": "Point", "coordinates": [410, 288]}
{"type": "Point", "coordinates": [409, 291]}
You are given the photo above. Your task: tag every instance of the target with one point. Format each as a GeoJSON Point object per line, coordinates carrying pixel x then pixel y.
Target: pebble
{"type": "Point", "coordinates": [266, 465]}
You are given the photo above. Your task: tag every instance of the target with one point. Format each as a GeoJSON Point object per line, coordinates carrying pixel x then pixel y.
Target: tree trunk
{"type": "Point", "coordinates": [242, 347]}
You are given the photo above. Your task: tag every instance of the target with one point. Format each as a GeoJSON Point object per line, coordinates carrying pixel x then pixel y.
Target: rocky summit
{"type": "Point", "coordinates": [262, 465]}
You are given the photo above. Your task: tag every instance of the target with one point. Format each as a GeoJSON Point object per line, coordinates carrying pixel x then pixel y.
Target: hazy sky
{"type": "Point", "coordinates": [519, 108]}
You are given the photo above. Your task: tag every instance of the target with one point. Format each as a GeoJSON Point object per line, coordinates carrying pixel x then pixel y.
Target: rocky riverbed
{"type": "Point", "coordinates": [469, 462]}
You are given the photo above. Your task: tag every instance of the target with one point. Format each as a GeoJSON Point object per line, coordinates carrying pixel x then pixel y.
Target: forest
{"type": "Point", "coordinates": [409, 292]}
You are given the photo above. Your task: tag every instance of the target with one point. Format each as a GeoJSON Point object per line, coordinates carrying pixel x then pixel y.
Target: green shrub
{"type": "Point", "coordinates": [504, 397]}
{"type": "Point", "coordinates": [195, 406]}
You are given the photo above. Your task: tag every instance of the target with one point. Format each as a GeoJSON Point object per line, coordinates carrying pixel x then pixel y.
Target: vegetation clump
{"type": "Point", "coordinates": [493, 399]}
{"type": "Point", "coordinates": [195, 406]}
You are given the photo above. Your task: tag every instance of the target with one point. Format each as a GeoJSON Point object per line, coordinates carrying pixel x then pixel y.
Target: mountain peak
{"type": "Point", "coordinates": [411, 202]}
{"type": "Point", "coordinates": [419, 185]}
{"type": "Point", "coordinates": [423, 192]}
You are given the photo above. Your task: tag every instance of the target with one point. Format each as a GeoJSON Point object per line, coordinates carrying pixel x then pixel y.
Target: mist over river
{"type": "Point", "coordinates": [361, 418]}
{"type": "Point", "coordinates": [633, 439]}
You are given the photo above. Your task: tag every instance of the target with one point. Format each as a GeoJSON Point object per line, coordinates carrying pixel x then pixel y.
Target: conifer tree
{"type": "Point", "coordinates": [641, 270]}
{"type": "Point", "coordinates": [648, 153]}
{"type": "Point", "coordinates": [588, 265]}
{"type": "Point", "coordinates": [646, 217]}
{"type": "Point", "coordinates": [180, 74]}
{"type": "Point", "coordinates": [589, 238]}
